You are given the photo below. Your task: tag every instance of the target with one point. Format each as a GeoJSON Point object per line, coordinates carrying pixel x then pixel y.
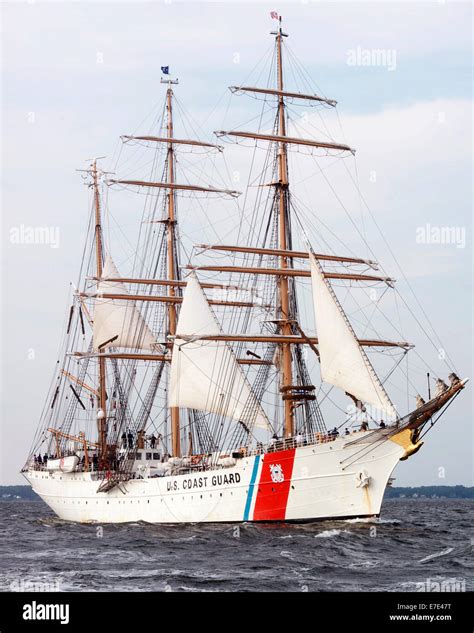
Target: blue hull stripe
{"type": "Point", "coordinates": [251, 487]}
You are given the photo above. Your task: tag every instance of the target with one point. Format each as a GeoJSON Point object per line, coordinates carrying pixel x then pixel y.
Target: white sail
{"type": "Point", "coordinates": [205, 375]}
{"type": "Point", "coordinates": [343, 361]}
{"type": "Point", "coordinates": [118, 317]}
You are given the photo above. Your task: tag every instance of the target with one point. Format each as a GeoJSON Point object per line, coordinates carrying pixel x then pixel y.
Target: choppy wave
{"type": "Point", "coordinates": [415, 539]}
{"type": "Point", "coordinates": [372, 520]}
{"type": "Point", "coordinates": [329, 533]}
{"type": "Point", "coordinates": [446, 551]}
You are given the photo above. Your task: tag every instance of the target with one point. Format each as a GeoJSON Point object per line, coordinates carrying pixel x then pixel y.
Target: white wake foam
{"type": "Point", "coordinates": [448, 550]}
{"type": "Point", "coordinates": [329, 533]}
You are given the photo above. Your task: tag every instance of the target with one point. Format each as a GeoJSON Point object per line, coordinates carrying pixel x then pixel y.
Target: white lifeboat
{"type": "Point", "coordinates": [64, 464]}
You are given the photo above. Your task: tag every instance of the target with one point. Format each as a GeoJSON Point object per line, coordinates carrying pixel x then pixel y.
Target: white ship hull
{"type": "Point", "coordinates": [330, 480]}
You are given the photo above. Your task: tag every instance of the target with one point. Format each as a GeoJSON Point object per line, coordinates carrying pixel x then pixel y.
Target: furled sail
{"type": "Point", "coordinates": [118, 322]}
{"type": "Point", "coordinates": [343, 361]}
{"type": "Point", "coordinates": [205, 375]}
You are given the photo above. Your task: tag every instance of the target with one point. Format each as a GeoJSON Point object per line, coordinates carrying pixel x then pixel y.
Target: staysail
{"type": "Point", "coordinates": [118, 322]}
{"type": "Point", "coordinates": [343, 361]}
{"type": "Point", "coordinates": [205, 375]}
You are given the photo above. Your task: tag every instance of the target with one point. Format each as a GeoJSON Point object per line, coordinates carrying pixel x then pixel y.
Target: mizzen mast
{"type": "Point", "coordinates": [102, 408]}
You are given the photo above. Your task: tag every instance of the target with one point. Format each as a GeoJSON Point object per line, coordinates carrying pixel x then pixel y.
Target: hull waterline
{"type": "Point", "coordinates": [332, 480]}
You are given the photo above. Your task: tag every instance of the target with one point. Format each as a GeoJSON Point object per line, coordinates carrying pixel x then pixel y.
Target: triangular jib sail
{"type": "Point", "coordinates": [205, 375]}
{"type": "Point", "coordinates": [118, 322]}
{"type": "Point", "coordinates": [343, 361]}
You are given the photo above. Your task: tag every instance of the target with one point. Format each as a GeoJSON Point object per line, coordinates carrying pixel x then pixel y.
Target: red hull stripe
{"type": "Point", "coordinates": [274, 486]}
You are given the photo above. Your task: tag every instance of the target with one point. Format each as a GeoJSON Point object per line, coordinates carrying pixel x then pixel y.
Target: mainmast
{"type": "Point", "coordinates": [102, 408]}
{"type": "Point", "coordinates": [172, 281]}
{"type": "Point", "coordinates": [283, 283]}
{"type": "Point", "coordinates": [171, 252]}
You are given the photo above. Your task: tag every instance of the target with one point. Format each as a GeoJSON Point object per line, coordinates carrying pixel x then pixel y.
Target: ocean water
{"type": "Point", "coordinates": [416, 544]}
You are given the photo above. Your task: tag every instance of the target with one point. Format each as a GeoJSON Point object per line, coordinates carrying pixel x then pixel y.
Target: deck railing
{"type": "Point", "coordinates": [275, 445]}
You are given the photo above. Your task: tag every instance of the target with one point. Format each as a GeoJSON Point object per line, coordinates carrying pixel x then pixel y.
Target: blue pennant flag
{"type": "Point", "coordinates": [165, 70]}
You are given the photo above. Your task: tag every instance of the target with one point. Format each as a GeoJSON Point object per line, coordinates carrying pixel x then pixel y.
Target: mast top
{"type": "Point", "coordinates": [94, 171]}
{"type": "Point", "coordinates": [279, 33]}
{"type": "Point", "coordinates": [167, 80]}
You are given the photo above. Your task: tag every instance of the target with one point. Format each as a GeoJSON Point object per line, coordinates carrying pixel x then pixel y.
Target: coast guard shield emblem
{"type": "Point", "coordinates": [276, 473]}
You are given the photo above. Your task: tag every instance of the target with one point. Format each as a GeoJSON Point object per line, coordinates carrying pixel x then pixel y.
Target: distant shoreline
{"type": "Point", "coordinates": [430, 492]}
{"type": "Point", "coordinates": [25, 493]}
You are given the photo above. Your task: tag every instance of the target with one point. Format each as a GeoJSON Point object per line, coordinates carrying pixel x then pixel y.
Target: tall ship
{"type": "Point", "coordinates": [239, 379]}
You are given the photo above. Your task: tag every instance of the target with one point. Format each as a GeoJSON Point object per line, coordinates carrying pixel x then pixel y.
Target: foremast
{"type": "Point", "coordinates": [283, 226]}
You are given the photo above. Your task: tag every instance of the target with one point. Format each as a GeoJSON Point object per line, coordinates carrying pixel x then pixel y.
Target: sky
{"type": "Point", "coordinates": [77, 75]}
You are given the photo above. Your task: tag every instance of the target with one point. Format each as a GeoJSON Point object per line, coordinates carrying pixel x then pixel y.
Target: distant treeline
{"type": "Point", "coordinates": [9, 493]}
{"type": "Point", "coordinates": [448, 492]}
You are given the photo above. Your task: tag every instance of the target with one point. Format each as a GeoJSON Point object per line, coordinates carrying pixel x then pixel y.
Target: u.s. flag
{"type": "Point", "coordinates": [165, 70]}
{"type": "Point", "coordinates": [274, 15]}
